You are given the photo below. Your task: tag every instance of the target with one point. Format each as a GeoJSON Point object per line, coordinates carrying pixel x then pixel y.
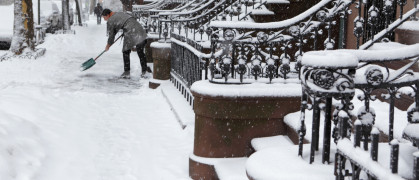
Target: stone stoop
{"type": "Point", "coordinates": [228, 117]}
{"type": "Point", "coordinates": [161, 56]}
{"type": "Point", "coordinates": [283, 162]}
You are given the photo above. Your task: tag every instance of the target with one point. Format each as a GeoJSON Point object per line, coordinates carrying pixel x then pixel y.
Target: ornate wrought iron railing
{"type": "Point", "coordinates": [183, 6]}
{"type": "Point", "coordinates": [150, 17]}
{"type": "Point", "coordinates": [325, 79]}
{"type": "Point", "coordinates": [368, 167]}
{"type": "Point", "coordinates": [194, 26]}
{"type": "Point", "coordinates": [192, 10]}
{"type": "Point", "coordinates": [273, 52]}
{"type": "Point", "coordinates": [187, 65]}
{"type": "Point", "coordinates": [143, 12]}
{"type": "Point", "coordinates": [155, 4]}
{"type": "Point", "coordinates": [269, 51]}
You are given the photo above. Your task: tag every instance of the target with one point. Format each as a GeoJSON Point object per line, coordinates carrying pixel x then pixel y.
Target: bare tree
{"type": "Point", "coordinates": [65, 15]}
{"type": "Point", "coordinates": [78, 12]}
{"type": "Point", "coordinates": [23, 29]}
{"type": "Point", "coordinates": [128, 4]}
{"type": "Point", "coordinates": [92, 5]}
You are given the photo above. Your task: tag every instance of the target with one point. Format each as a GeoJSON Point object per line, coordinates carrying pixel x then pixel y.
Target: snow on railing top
{"type": "Point", "coordinates": [176, 9]}
{"type": "Point", "coordinates": [188, 12]}
{"type": "Point", "coordinates": [329, 59]}
{"type": "Point", "coordinates": [279, 24]}
{"type": "Point", "coordinates": [277, 1]}
{"type": "Point", "coordinates": [390, 28]}
{"type": "Point", "coordinates": [400, 53]}
{"type": "Point", "coordinates": [199, 16]}
{"type": "Point", "coordinates": [346, 147]}
{"type": "Point", "coordinates": [410, 25]}
{"type": "Point", "coordinates": [147, 6]}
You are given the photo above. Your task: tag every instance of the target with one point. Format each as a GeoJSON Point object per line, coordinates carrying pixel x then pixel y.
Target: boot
{"type": "Point", "coordinates": [125, 75]}
{"type": "Point", "coordinates": [146, 73]}
{"type": "Point", "coordinates": [149, 70]}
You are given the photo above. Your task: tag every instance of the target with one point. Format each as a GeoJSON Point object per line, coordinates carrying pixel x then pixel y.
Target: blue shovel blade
{"type": "Point", "coordinates": [88, 64]}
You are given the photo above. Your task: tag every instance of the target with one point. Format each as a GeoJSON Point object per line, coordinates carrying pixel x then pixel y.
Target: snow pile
{"type": "Point", "coordinates": [247, 90]}
{"type": "Point", "coordinates": [410, 25]}
{"type": "Point", "coordinates": [262, 11]}
{"type": "Point", "coordinates": [21, 148]}
{"type": "Point", "coordinates": [282, 163]}
{"type": "Point", "coordinates": [412, 130]}
{"type": "Point", "coordinates": [270, 142]}
{"type": "Point", "coordinates": [329, 59]}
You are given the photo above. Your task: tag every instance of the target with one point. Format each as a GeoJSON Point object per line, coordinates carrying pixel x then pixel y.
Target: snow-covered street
{"type": "Point", "coordinates": [62, 124]}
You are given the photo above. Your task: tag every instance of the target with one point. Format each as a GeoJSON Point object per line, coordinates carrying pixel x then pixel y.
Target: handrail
{"type": "Point", "coordinates": [280, 44]}
{"type": "Point", "coordinates": [336, 76]}
{"type": "Point", "coordinates": [373, 56]}
{"type": "Point", "coordinates": [207, 12]}
{"type": "Point", "coordinates": [390, 28]}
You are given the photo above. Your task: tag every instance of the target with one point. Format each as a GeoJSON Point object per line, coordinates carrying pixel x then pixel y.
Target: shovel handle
{"type": "Point", "coordinates": [100, 54]}
{"type": "Point", "coordinates": [111, 45]}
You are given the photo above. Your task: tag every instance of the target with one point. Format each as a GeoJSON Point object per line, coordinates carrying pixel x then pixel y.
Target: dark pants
{"type": "Point", "coordinates": [99, 18]}
{"type": "Point", "coordinates": [141, 55]}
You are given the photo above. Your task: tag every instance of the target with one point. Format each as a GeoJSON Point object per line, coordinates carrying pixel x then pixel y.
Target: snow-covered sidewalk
{"type": "Point", "coordinates": [59, 123]}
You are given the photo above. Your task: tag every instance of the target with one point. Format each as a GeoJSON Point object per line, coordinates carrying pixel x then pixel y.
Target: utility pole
{"type": "Point", "coordinates": [78, 12]}
{"type": "Point", "coordinates": [39, 12]}
{"type": "Point", "coordinates": [65, 15]}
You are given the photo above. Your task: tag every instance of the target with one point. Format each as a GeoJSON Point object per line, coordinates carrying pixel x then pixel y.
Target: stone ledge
{"type": "Point", "coordinates": [228, 117]}
{"type": "Point", "coordinates": [407, 36]}
{"type": "Point", "coordinates": [161, 59]}
{"type": "Point", "coordinates": [291, 89]}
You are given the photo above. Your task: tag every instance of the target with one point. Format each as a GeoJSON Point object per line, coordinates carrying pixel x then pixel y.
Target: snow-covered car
{"type": "Point", "coordinates": [6, 27]}
{"type": "Point", "coordinates": [50, 17]}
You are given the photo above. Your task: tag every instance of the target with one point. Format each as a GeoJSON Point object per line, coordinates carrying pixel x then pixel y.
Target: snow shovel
{"type": "Point", "coordinates": [89, 63]}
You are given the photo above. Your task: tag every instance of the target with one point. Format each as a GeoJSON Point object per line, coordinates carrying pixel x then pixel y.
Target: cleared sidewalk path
{"type": "Point", "coordinates": [89, 125]}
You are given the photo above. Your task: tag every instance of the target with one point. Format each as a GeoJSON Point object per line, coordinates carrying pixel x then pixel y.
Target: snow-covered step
{"type": "Point", "coordinates": [235, 168]}
{"type": "Point", "coordinates": [180, 107]}
{"type": "Point", "coordinates": [271, 142]}
{"type": "Point", "coordinates": [284, 163]}
{"type": "Point", "coordinates": [231, 169]}
{"type": "Point", "coordinates": [225, 168]}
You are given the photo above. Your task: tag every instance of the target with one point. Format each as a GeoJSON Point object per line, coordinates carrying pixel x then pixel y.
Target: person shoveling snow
{"type": "Point", "coordinates": [134, 36]}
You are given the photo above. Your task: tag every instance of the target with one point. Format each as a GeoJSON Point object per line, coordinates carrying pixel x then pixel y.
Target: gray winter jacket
{"type": "Point", "coordinates": [134, 33]}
